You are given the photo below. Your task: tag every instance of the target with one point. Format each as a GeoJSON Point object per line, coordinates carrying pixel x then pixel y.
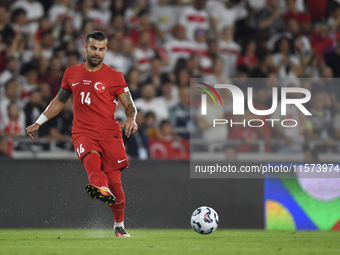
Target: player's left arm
{"type": "Point", "coordinates": [130, 110]}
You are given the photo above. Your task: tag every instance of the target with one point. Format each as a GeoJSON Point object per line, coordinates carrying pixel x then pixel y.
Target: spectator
{"type": "Point", "coordinates": [217, 76]}
{"type": "Point", "coordinates": [67, 32]}
{"type": "Point", "coordinates": [34, 10]}
{"type": "Point", "coordinates": [229, 51]}
{"type": "Point", "coordinates": [248, 57]}
{"type": "Point", "coordinates": [10, 72]}
{"type": "Point", "coordinates": [336, 125]}
{"type": "Point", "coordinates": [205, 123]}
{"type": "Point", "coordinates": [167, 132]}
{"type": "Point", "coordinates": [114, 58]}
{"type": "Point", "coordinates": [183, 78]}
{"type": "Point", "coordinates": [60, 127]}
{"type": "Point", "coordinates": [260, 98]}
{"type": "Point", "coordinates": [329, 85]}
{"type": "Point", "coordinates": [31, 83]}
{"type": "Point", "coordinates": [179, 47]}
{"type": "Point", "coordinates": [127, 51]}
{"type": "Point", "coordinates": [53, 75]}
{"type": "Point", "coordinates": [88, 10]}
{"type": "Point", "coordinates": [200, 47]}
{"type": "Point", "coordinates": [131, 14]}
{"type": "Point", "coordinates": [319, 124]}
{"type": "Point", "coordinates": [6, 32]}
{"type": "Point", "coordinates": [180, 114]}
{"type": "Point", "coordinates": [293, 31]}
{"type": "Point", "coordinates": [230, 153]}
{"type": "Point", "coordinates": [163, 19]}
{"type": "Point", "coordinates": [117, 25]}
{"type": "Point", "coordinates": [63, 10]}
{"type": "Point", "coordinates": [132, 80]}
{"type": "Point", "coordinates": [333, 22]}
{"type": "Point", "coordinates": [137, 144]}
{"type": "Point", "coordinates": [21, 50]}
{"type": "Point", "coordinates": [72, 59]}
{"type": "Point", "coordinates": [284, 58]}
{"type": "Point", "coordinates": [194, 67]}
{"type": "Point", "coordinates": [19, 22]}
{"type": "Point", "coordinates": [293, 13]}
{"type": "Point", "coordinates": [226, 15]}
{"type": "Point", "coordinates": [245, 133]}
{"type": "Point", "coordinates": [316, 8]}
{"type": "Point", "coordinates": [152, 127]}
{"type": "Point", "coordinates": [47, 48]}
{"type": "Point", "coordinates": [332, 59]}
{"type": "Point", "coordinates": [143, 55]}
{"type": "Point", "coordinates": [149, 102]}
{"type": "Point", "coordinates": [144, 26]}
{"type": "Point", "coordinates": [45, 92]}
{"type": "Point", "coordinates": [118, 8]}
{"type": "Point", "coordinates": [194, 17]}
{"type": "Point", "coordinates": [155, 74]}
{"type": "Point", "coordinates": [11, 95]}
{"type": "Point", "coordinates": [310, 155]}
{"type": "Point", "coordinates": [266, 66]}
{"type": "Point", "coordinates": [34, 107]}
{"type": "Point", "coordinates": [169, 92]}
{"type": "Point", "coordinates": [294, 136]}
{"type": "Point", "coordinates": [14, 126]}
{"type": "Point", "coordinates": [270, 20]}
{"type": "Point", "coordinates": [87, 27]}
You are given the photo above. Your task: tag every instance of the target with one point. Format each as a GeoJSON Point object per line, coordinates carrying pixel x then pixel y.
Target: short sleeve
{"type": "Point", "coordinates": [120, 85]}
{"type": "Point", "coordinates": [64, 83]}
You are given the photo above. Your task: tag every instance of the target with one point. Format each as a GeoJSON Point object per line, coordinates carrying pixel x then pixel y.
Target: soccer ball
{"type": "Point", "coordinates": [204, 220]}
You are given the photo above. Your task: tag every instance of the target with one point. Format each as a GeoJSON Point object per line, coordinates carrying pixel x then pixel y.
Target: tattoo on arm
{"type": "Point", "coordinates": [64, 95]}
{"type": "Point", "coordinates": [130, 109]}
{"type": "Point", "coordinates": [126, 97]}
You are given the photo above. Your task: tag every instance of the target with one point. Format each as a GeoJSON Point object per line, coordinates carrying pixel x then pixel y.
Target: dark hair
{"type": "Point", "coordinates": [165, 79]}
{"type": "Point", "coordinates": [164, 122]}
{"type": "Point", "coordinates": [74, 53]}
{"type": "Point", "coordinates": [16, 13]}
{"type": "Point", "coordinates": [46, 32]}
{"type": "Point", "coordinates": [143, 12]}
{"type": "Point", "coordinates": [4, 6]}
{"type": "Point", "coordinates": [97, 35]}
{"type": "Point", "coordinates": [150, 114]}
{"type": "Point", "coordinates": [11, 104]}
{"type": "Point", "coordinates": [35, 90]}
{"type": "Point", "coordinates": [10, 81]}
{"type": "Point", "coordinates": [10, 59]}
{"type": "Point", "coordinates": [278, 43]}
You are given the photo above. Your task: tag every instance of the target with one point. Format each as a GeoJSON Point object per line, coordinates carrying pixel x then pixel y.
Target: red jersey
{"type": "Point", "coordinates": [95, 100]}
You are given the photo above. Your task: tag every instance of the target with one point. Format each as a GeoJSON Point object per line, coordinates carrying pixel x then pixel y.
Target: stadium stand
{"type": "Point", "coordinates": [159, 45]}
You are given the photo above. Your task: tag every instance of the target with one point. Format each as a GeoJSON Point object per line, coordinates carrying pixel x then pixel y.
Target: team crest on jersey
{"type": "Point", "coordinates": [99, 87]}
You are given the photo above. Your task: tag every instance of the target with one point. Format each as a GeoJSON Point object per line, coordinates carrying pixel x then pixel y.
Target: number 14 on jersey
{"type": "Point", "coordinates": [87, 98]}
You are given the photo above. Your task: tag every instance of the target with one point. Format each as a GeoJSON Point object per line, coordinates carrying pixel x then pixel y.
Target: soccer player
{"type": "Point", "coordinates": [96, 134]}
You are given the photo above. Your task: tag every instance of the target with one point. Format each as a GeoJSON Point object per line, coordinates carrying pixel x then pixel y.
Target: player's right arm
{"type": "Point", "coordinates": [52, 110]}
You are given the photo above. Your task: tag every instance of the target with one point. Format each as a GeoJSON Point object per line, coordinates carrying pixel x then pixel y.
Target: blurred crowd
{"type": "Point", "coordinates": [159, 45]}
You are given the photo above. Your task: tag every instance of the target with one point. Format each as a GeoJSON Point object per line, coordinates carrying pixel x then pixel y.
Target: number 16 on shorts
{"type": "Point", "coordinates": [80, 150]}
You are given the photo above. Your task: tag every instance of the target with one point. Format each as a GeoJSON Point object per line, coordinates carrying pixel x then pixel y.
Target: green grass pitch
{"type": "Point", "coordinates": [166, 241]}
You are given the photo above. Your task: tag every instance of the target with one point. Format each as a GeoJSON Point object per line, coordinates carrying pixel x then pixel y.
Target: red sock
{"type": "Point", "coordinates": [92, 163]}
{"type": "Point", "coordinates": [115, 185]}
